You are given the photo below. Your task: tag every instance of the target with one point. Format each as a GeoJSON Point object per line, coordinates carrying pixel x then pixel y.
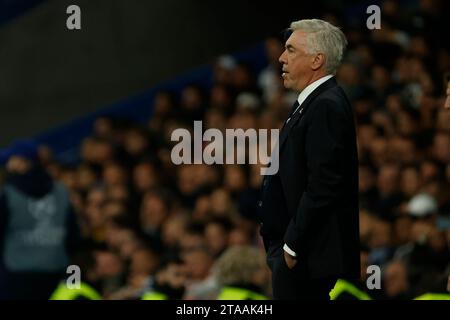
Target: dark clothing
{"type": "Point", "coordinates": [311, 204]}
{"type": "Point", "coordinates": [38, 231]}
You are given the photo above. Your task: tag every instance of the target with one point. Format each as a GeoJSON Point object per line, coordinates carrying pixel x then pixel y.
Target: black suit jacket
{"type": "Point", "coordinates": [311, 204]}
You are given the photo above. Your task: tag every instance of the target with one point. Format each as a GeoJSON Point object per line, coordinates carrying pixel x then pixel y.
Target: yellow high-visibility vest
{"type": "Point", "coordinates": [233, 293]}
{"type": "Point", "coordinates": [153, 295]}
{"type": "Point", "coordinates": [433, 296]}
{"type": "Point", "coordinates": [343, 286]}
{"type": "Point", "coordinates": [63, 292]}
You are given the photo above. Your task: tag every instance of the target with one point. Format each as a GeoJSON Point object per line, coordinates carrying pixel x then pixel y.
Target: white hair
{"type": "Point", "coordinates": [323, 37]}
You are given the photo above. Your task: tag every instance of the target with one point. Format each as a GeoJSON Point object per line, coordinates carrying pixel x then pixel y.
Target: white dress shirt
{"type": "Point", "coordinates": [301, 98]}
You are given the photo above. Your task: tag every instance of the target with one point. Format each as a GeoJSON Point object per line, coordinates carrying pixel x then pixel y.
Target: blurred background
{"type": "Point", "coordinates": [86, 118]}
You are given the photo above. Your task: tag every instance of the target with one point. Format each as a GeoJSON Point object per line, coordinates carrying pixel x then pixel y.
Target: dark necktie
{"type": "Point", "coordinates": [293, 112]}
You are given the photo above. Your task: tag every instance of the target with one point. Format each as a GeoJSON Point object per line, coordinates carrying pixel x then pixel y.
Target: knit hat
{"type": "Point", "coordinates": [25, 148]}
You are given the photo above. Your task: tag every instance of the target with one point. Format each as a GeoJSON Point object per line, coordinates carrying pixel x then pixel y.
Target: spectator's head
{"type": "Point", "coordinates": [239, 237]}
{"type": "Point", "coordinates": [217, 232]}
{"type": "Point", "coordinates": [380, 235]}
{"type": "Point", "coordinates": [108, 264]}
{"type": "Point", "coordinates": [163, 104]}
{"type": "Point", "coordinates": [241, 77]}
{"type": "Point", "coordinates": [86, 177]}
{"type": "Point", "coordinates": [428, 170]}
{"type": "Point", "coordinates": [388, 179]}
{"type": "Point", "coordinates": [136, 142]}
{"type": "Point", "coordinates": [221, 203]}
{"type": "Point", "coordinates": [202, 208]}
{"type": "Point", "coordinates": [198, 263]}
{"type": "Point", "coordinates": [114, 174]}
{"type": "Point", "coordinates": [396, 283]}
{"type": "Point", "coordinates": [20, 157]}
{"type": "Point", "coordinates": [378, 151]}
{"type": "Point", "coordinates": [145, 177]}
{"type": "Point", "coordinates": [143, 264]}
{"type": "Point", "coordinates": [447, 92]}
{"type": "Point", "coordinates": [364, 261]}
{"type": "Point", "coordinates": [94, 207]}
{"type": "Point", "coordinates": [119, 193]}
{"type": "Point", "coordinates": [193, 238]}
{"type": "Point", "coordinates": [441, 147]}
{"type": "Point", "coordinates": [97, 151]}
{"type": "Point", "coordinates": [410, 181]}
{"type": "Point", "coordinates": [235, 180]}
{"type": "Point", "coordinates": [402, 230]}
{"type": "Point", "coordinates": [422, 205]}
{"type": "Point", "coordinates": [366, 178]}
{"type": "Point", "coordinates": [242, 265]}
{"type": "Point", "coordinates": [171, 278]}
{"type": "Point", "coordinates": [154, 211]}
{"type": "Point", "coordinates": [220, 98]}
{"type": "Point", "coordinates": [173, 229]}
{"type": "Point", "coordinates": [127, 243]}
{"type": "Point", "coordinates": [104, 127]}
{"type": "Point", "coordinates": [191, 98]}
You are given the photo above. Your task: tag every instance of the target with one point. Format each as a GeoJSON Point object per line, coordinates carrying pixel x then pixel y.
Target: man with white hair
{"type": "Point", "coordinates": [309, 209]}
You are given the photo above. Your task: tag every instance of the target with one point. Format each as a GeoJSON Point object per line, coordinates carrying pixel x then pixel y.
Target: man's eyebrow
{"type": "Point", "coordinates": [289, 46]}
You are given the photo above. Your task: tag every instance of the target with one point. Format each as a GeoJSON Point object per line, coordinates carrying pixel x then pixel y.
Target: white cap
{"type": "Point", "coordinates": [247, 100]}
{"type": "Point", "coordinates": [422, 205]}
{"type": "Point", "coordinates": [227, 62]}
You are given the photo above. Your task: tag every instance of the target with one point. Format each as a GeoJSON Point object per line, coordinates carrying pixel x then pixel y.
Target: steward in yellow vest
{"type": "Point", "coordinates": [240, 293]}
{"type": "Point", "coordinates": [85, 292]}
{"type": "Point", "coordinates": [346, 290]}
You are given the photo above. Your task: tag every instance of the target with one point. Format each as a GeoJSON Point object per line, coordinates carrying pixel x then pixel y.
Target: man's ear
{"type": "Point", "coordinates": [318, 61]}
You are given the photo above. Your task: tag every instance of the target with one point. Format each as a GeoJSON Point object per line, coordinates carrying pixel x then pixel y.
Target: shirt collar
{"type": "Point", "coordinates": [310, 88]}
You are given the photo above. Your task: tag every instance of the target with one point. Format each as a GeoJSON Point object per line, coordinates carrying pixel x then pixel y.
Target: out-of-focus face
{"type": "Point", "coordinates": [388, 179]}
{"type": "Point", "coordinates": [235, 180]}
{"type": "Point", "coordinates": [108, 264]}
{"type": "Point", "coordinates": [238, 237]}
{"type": "Point", "coordinates": [18, 164]}
{"type": "Point", "coordinates": [297, 71]}
{"type": "Point", "coordinates": [144, 177]}
{"type": "Point", "coordinates": [143, 262]}
{"type": "Point", "coordinates": [396, 279]}
{"type": "Point", "coordinates": [447, 99]}
{"type": "Point", "coordinates": [198, 264]}
{"type": "Point", "coordinates": [135, 143]}
{"type": "Point", "coordinates": [153, 211]}
{"type": "Point", "coordinates": [114, 174]}
{"type": "Point", "coordinates": [441, 147]}
{"type": "Point", "coordinates": [216, 238]}
{"type": "Point", "coordinates": [366, 179]}
{"type": "Point", "coordinates": [381, 234]}
{"type": "Point", "coordinates": [172, 230]}
{"type": "Point", "coordinates": [410, 181]}
{"type": "Point", "coordinates": [364, 264]}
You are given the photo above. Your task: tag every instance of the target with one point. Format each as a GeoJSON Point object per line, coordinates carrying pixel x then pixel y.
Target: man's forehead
{"type": "Point", "coordinates": [296, 39]}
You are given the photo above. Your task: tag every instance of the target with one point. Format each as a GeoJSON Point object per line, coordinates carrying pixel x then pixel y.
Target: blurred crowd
{"type": "Point", "coordinates": [149, 226]}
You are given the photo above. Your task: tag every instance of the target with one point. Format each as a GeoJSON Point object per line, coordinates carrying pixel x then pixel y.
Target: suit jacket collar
{"type": "Point", "coordinates": [330, 83]}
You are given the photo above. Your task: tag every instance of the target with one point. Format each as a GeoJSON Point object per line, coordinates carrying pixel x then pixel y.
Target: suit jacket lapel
{"type": "Point", "coordinates": [287, 128]}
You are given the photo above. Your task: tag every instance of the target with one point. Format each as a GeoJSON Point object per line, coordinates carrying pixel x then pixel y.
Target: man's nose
{"type": "Point", "coordinates": [281, 59]}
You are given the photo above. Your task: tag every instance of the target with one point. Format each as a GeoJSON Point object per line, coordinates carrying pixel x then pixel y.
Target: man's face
{"type": "Point", "coordinates": [297, 64]}
{"type": "Point", "coordinates": [447, 100]}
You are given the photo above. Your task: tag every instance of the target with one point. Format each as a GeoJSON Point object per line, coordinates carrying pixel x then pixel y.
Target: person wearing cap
{"type": "Point", "coordinates": [38, 228]}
